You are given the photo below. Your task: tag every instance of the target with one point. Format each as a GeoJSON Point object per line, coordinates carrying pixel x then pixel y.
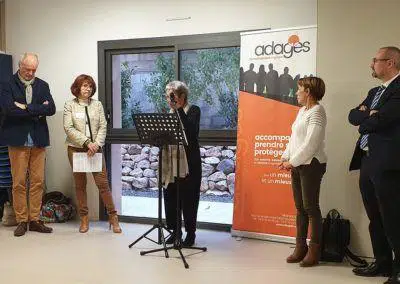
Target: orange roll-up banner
{"type": "Point", "coordinates": [272, 62]}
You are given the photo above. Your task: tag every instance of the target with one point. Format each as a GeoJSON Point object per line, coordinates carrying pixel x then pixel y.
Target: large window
{"type": "Point", "coordinates": [134, 170]}
{"type": "Point", "coordinates": [212, 76]}
{"type": "Point", "coordinates": [138, 84]}
{"type": "Point", "coordinates": [132, 79]}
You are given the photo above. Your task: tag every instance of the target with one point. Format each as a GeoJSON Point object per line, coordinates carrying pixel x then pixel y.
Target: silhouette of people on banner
{"type": "Point", "coordinates": [295, 80]}
{"type": "Point", "coordinates": [285, 82]}
{"type": "Point", "coordinates": [241, 79]}
{"type": "Point", "coordinates": [272, 81]}
{"type": "Point", "coordinates": [270, 84]}
{"type": "Point", "coordinates": [261, 80]}
{"type": "Point", "coordinates": [250, 78]}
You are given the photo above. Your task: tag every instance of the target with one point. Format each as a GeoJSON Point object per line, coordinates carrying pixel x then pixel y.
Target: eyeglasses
{"type": "Point", "coordinates": [374, 60]}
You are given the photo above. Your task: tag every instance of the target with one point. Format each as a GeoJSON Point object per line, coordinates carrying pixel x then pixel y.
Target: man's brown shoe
{"type": "Point", "coordinates": [21, 229]}
{"type": "Point", "coordinates": [38, 226]}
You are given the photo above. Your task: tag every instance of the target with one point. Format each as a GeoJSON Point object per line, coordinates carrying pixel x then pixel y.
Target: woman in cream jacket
{"type": "Point", "coordinates": [85, 125]}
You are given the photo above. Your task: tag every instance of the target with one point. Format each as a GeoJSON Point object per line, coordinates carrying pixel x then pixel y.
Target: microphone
{"type": "Point", "coordinates": [172, 98]}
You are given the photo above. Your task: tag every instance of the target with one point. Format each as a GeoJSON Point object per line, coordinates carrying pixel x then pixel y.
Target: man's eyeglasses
{"type": "Point", "coordinates": [374, 60]}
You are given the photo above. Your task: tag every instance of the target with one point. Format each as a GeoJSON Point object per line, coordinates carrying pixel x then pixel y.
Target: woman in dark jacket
{"type": "Point", "coordinates": [190, 170]}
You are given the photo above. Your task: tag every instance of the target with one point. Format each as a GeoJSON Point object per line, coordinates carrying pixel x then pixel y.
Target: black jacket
{"type": "Point", "coordinates": [383, 128]}
{"type": "Point", "coordinates": [18, 123]}
{"type": "Point", "coordinates": [191, 122]}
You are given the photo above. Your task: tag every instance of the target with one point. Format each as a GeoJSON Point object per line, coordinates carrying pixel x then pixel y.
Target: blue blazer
{"type": "Point", "coordinates": [383, 128]}
{"type": "Point", "coordinates": [17, 122]}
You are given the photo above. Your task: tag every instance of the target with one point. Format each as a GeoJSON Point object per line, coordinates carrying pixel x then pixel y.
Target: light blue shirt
{"type": "Point", "coordinates": [29, 141]}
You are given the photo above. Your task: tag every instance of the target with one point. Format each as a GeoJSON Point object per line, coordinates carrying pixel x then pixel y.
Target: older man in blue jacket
{"type": "Point", "coordinates": [26, 102]}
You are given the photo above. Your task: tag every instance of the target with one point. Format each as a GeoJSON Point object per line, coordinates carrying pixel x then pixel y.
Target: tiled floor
{"type": "Point", "coordinates": [101, 257]}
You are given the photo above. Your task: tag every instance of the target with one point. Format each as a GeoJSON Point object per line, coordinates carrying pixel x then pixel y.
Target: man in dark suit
{"type": "Point", "coordinates": [26, 101]}
{"type": "Point", "coordinates": [377, 155]}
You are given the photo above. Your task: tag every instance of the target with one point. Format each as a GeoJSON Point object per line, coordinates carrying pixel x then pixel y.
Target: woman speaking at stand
{"type": "Point", "coordinates": [190, 166]}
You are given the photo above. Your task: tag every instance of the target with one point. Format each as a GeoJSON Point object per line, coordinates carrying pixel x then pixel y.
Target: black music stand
{"type": "Point", "coordinates": [161, 129]}
{"type": "Point", "coordinates": [152, 129]}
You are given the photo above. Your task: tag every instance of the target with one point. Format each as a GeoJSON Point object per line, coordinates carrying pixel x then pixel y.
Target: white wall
{"type": "Point", "coordinates": [2, 26]}
{"type": "Point", "coordinates": [65, 35]}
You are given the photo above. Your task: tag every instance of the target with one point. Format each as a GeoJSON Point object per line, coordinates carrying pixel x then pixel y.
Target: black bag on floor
{"type": "Point", "coordinates": [336, 238]}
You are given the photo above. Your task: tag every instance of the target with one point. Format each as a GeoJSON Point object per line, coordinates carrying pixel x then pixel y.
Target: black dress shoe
{"type": "Point", "coordinates": [189, 240]}
{"type": "Point", "coordinates": [393, 279]}
{"type": "Point", "coordinates": [171, 239]}
{"type": "Point", "coordinates": [389, 281]}
{"type": "Point", "coordinates": [39, 226]}
{"type": "Point", "coordinates": [374, 269]}
{"type": "Point", "coordinates": [21, 229]}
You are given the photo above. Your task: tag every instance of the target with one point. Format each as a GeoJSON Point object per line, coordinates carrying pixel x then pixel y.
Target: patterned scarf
{"type": "Point", "coordinates": [28, 88]}
{"type": "Point", "coordinates": [169, 160]}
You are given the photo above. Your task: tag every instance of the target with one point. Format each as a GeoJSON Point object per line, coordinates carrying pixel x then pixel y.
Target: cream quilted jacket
{"type": "Point", "coordinates": [75, 123]}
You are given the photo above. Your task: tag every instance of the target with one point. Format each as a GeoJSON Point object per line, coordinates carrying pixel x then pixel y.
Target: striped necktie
{"type": "Point", "coordinates": [364, 138]}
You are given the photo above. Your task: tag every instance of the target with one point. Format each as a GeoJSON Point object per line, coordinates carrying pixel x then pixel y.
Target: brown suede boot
{"type": "Point", "coordinates": [21, 229]}
{"type": "Point", "coordinates": [299, 252]}
{"type": "Point", "coordinates": [313, 255]}
{"type": "Point", "coordinates": [113, 220]}
{"type": "Point", "coordinates": [84, 227]}
{"type": "Point", "coordinates": [39, 226]}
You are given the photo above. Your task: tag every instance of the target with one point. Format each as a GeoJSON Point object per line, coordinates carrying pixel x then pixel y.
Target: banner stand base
{"type": "Point", "coordinates": [265, 237]}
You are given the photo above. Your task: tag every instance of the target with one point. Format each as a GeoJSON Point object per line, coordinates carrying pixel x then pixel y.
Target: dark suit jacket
{"type": "Point", "coordinates": [18, 123]}
{"type": "Point", "coordinates": [383, 128]}
{"type": "Point", "coordinates": [191, 122]}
